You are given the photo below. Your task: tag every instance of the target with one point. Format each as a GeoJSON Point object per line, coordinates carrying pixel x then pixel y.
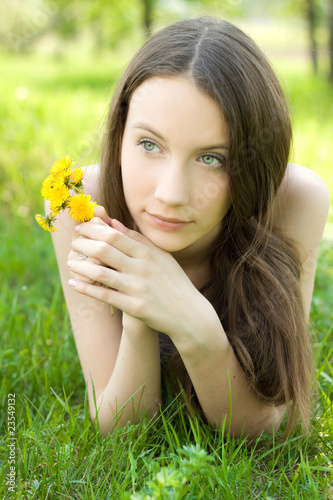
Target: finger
{"type": "Point", "coordinates": [84, 229]}
{"type": "Point", "coordinates": [95, 220]}
{"type": "Point", "coordinates": [110, 296]}
{"type": "Point", "coordinates": [100, 212]}
{"type": "Point", "coordinates": [78, 256]}
{"type": "Point", "coordinates": [81, 277]}
{"type": "Point", "coordinates": [99, 274]}
{"type": "Point", "coordinates": [127, 241]}
{"type": "Point", "coordinates": [134, 235]}
{"type": "Point", "coordinates": [102, 252]}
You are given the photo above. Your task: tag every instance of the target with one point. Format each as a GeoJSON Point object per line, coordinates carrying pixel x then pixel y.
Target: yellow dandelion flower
{"type": "Point", "coordinates": [58, 196]}
{"type": "Point", "coordinates": [52, 183]}
{"type": "Point", "coordinates": [55, 209]}
{"type": "Point", "coordinates": [45, 223]}
{"type": "Point", "coordinates": [81, 207]}
{"type": "Point", "coordinates": [47, 187]}
{"type": "Point", "coordinates": [58, 189]}
{"type": "Point", "coordinates": [59, 178]}
{"type": "Point", "coordinates": [62, 165]}
{"type": "Point", "coordinates": [76, 176]}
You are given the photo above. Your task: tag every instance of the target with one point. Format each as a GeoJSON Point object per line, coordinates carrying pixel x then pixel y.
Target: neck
{"type": "Point", "coordinates": [197, 270]}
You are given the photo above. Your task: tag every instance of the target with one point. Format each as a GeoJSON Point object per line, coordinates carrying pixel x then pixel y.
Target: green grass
{"type": "Point", "coordinates": [58, 453]}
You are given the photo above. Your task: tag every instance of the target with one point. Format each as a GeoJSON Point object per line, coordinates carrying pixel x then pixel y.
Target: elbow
{"type": "Point", "coordinates": [102, 423]}
{"type": "Point", "coordinates": [252, 426]}
{"type": "Point", "coordinates": [106, 420]}
{"type": "Point", "coordinates": [269, 423]}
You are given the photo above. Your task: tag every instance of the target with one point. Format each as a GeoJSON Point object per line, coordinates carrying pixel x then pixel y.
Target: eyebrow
{"type": "Point", "coordinates": [148, 128]}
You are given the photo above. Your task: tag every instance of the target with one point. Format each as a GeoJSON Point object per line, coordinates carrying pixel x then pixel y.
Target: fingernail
{"type": "Point", "coordinates": [77, 228]}
{"type": "Point", "coordinates": [69, 263]}
{"type": "Point", "coordinates": [118, 225]}
{"type": "Point", "coordinates": [72, 283]}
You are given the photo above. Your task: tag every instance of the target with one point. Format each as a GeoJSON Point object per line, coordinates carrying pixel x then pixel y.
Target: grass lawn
{"type": "Point", "coordinates": [54, 107]}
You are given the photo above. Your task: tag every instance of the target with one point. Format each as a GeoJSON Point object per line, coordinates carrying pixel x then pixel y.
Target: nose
{"type": "Point", "coordinates": [173, 185]}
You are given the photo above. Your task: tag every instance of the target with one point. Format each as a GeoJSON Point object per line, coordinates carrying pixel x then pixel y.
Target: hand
{"type": "Point", "coordinates": [136, 329]}
{"type": "Point", "coordinates": [139, 278]}
{"type": "Point", "coordinates": [99, 212]}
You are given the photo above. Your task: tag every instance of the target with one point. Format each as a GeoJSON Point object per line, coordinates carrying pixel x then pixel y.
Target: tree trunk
{"type": "Point", "coordinates": [330, 48]}
{"type": "Point", "coordinates": [312, 23]}
{"type": "Point", "coordinates": [147, 16]}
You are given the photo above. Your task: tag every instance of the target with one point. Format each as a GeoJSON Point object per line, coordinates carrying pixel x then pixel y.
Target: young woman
{"type": "Point", "coordinates": [200, 262]}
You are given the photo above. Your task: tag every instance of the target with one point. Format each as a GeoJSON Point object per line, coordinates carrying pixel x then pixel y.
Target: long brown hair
{"type": "Point", "coordinates": [255, 272]}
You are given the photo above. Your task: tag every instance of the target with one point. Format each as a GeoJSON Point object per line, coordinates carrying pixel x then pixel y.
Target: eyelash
{"type": "Point", "coordinates": [148, 141]}
{"type": "Point", "coordinates": [221, 159]}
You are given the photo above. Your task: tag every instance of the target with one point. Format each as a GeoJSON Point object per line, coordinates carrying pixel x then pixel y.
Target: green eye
{"type": "Point", "coordinates": [208, 159]}
{"type": "Point", "coordinates": [149, 146]}
{"type": "Point", "coordinates": [213, 161]}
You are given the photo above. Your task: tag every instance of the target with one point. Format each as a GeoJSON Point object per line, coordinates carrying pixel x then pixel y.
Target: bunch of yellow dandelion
{"type": "Point", "coordinates": [63, 188]}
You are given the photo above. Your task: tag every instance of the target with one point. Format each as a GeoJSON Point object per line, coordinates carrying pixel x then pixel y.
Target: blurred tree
{"type": "Point", "coordinates": [319, 18]}
{"type": "Point", "coordinates": [330, 48]}
{"type": "Point", "coordinates": [148, 6]}
{"type": "Point", "coordinates": [23, 23]}
{"type": "Point", "coordinates": [109, 21]}
{"type": "Point", "coordinates": [320, 12]}
{"type": "Point", "coordinates": [106, 21]}
{"type": "Point", "coordinates": [312, 12]}
{"type": "Point", "coordinates": [312, 18]}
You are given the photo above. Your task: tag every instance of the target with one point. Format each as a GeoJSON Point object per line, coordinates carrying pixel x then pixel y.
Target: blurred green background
{"type": "Point", "coordinates": [59, 62]}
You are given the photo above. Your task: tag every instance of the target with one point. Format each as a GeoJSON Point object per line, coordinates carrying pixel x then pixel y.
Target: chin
{"type": "Point", "coordinates": [167, 246]}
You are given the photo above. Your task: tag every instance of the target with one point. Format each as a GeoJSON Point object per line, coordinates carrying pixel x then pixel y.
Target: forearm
{"type": "Point", "coordinates": [222, 388]}
{"type": "Point", "coordinates": [134, 387]}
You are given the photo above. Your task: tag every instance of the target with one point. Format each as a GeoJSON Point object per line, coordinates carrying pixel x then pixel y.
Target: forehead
{"type": "Point", "coordinates": [175, 103]}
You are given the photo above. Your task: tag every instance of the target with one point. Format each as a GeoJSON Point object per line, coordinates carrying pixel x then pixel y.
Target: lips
{"type": "Point", "coordinates": [167, 223]}
{"type": "Point", "coordinates": [170, 219]}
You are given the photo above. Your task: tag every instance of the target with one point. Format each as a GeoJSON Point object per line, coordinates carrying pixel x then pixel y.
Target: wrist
{"type": "Point", "coordinates": [203, 333]}
{"type": "Point", "coordinates": [136, 330]}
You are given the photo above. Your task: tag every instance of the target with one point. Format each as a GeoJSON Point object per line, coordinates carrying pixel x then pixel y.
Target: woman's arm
{"type": "Point", "coordinates": [148, 284]}
{"type": "Point", "coordinates": [142, 279]}
{"type": "Point", "coordinates": [134, 388]}
{"type": "Point", "coordinates": [223, 390]}
{"type": "Point", "coordinates": [300, 211]}
{"type": "Point", "coordinates": [112, 363]}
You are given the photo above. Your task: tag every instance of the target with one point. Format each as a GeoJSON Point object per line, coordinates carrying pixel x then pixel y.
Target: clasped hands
{"type": "Point", "coordinates": [140, 279]}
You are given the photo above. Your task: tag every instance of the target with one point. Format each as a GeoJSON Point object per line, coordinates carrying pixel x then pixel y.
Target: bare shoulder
{"type": "Point", "coordinates": [302, 204]}
{"type": "Point", "coordinates": [305, 184]}
{"type": "Point", "coordinates": [300, 211]}
{"type": "Point", "coordinates": [91, 181]}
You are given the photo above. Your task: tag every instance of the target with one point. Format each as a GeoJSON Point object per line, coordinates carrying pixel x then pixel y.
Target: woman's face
{"type": "Point", "coordinates": [173, 156]}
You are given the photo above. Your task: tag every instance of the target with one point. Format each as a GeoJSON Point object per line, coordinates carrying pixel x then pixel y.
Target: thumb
{"type": "Point", "coordinates": [101, 213]}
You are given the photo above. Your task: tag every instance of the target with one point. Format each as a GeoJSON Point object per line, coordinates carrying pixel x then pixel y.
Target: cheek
{"type": "Point", "coordinates": [131, 186]}
{"type": "Point", "coordinates": [128, 170]}
{"type": "Point", "coordinates": [136, 185]}
{"type": "Point", "coordinates": [212, 195]}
